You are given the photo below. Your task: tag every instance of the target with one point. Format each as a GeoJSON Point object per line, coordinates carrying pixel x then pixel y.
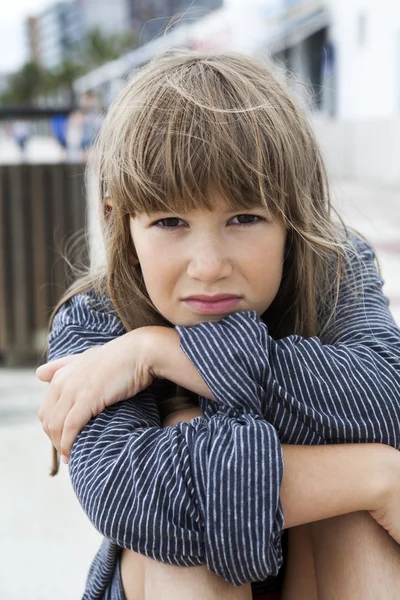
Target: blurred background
{"type": "Point", "coordinates": [61, 66]}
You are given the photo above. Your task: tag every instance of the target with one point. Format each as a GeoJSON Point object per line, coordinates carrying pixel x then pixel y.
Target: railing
{"type": "Point", "coordinates": [41, 207]}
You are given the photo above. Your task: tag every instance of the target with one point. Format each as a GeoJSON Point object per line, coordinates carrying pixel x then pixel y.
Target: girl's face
{"type": "Point", "coordinates": [202, 265]}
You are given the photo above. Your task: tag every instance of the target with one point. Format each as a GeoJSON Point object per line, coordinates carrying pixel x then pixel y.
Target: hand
{"type": "Point", "coordinates": [388, 512]}
{"type": "Point", "coordinates": [83, 385]}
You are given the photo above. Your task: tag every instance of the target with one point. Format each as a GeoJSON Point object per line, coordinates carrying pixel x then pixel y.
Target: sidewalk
{"type": "Point", "coordinates": [46, 541]}
{"type": "Point", "coordinates": [39, 149]}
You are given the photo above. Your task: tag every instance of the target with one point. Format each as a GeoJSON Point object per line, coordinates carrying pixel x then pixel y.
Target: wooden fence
{"type": "Point", "coordinates": [41, 207]}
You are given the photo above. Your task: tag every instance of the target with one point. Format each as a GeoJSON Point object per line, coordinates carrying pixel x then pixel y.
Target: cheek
{"type": "Point", "coordinates": [267, 272]}
{"type": "Point", "coordinates": [269, 278]}
{"type": "Point", "coordinates": [159, 278]}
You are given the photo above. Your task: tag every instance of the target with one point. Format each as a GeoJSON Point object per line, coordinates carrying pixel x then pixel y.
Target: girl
{"type": "Point", "coordinates": [226, 277]}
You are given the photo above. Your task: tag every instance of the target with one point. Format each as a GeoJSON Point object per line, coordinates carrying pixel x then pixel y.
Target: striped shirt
{"type": "Point", "coordinates": [208, 491]}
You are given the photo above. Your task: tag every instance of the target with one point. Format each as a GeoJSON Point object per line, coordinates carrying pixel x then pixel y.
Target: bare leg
{"type": "Point", "coordinates": [146, 579]}
{"type": "Point", "coordinates": [133, 574]}
{"type": "Point", "coordinates": [189, 583]}
{"type": "Point", "coordinates": [300, 582]}
{"type": "Point", "coordinates": [355, 559]}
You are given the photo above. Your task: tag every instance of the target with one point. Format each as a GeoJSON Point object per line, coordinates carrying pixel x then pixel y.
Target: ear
{"type": "Point", "coordinates": [132, 258]}
{"type": "Point", "coordinates": [108, 205]}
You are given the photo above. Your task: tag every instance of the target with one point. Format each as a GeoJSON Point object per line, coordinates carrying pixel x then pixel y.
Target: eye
{"type": "Point", "coordinates": [246, 220]}
{"type": "Point", "coordinates": [169, 223]}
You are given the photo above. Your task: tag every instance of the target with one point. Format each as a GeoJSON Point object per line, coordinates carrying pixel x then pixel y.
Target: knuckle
{"type": "Point", "coordinates": [53, 428]}
{"type": "Point", "coordinates": [57, 379]}
{"type": "Point", "coordinates": [71, 425]}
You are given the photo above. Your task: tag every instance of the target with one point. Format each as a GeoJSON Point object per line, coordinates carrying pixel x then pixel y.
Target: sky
{"type": "Point", "coordinates": [13, 46]}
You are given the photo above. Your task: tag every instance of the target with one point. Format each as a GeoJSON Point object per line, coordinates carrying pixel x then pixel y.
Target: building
{"type": "Point", "coordinates": [348, 53]}
{"type": "Point", "coordinates": [200, 28]}
{"type": "Point", "coordinates": [64, 24]}
{"type": "Point", "coordinates": [74, 24]}
{"type": "Point", "coordinates": [52, 36]}
{"type": "Point", "coordinates": [53, 43]}
{"type": "Point", "coordinates": [32, 34]}
{"type": "Point", "coordinates": [110, 16]}
{"type": "Point", "coordinates": [341, 57]}
{"type": "Point", "coordinates": [152, 17]}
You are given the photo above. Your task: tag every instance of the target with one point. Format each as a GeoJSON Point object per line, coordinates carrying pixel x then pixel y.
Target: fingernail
{"type": "Point", "coordinates": [65, 459]}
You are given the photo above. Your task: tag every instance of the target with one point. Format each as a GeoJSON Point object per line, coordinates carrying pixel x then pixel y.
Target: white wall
{"type": "Point", "coordinates": [363, 141]}
{"type": "Point", "coordinates": [368, 69]}
{"type": "Point", "coordinates": [366, 150]}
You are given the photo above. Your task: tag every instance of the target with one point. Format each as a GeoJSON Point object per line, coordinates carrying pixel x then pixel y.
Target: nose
{"type": "Point", "coordinates": [210, 261]}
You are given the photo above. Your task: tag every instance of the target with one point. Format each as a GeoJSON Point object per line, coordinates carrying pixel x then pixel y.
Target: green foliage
{"type": "Point", "coordinates": [99, 48]}
{"type": "Point", "coordinates": [27, 83]}
{"type": "Point", "coordinates": [33, 81]}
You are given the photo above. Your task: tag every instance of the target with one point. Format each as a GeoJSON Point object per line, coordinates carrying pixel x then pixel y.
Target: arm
{"type": "Point", "coordinates": [344, 391]}
{"type": "Point", "coordinates": [205, 491]}
{"type": "Point", "coordinates": [318, 478]}
{"type": "Point", "coordinates": [160, 492]}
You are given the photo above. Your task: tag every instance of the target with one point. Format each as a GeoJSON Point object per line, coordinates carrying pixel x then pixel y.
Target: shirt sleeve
{"type": "Point", "coordinates": [202, 492]}
{"type": "Point", "coordinates": [344, 389]}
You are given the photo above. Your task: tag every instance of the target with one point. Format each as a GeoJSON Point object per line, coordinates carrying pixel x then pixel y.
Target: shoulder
{"type": "Point", "coordinates": [88, 310]}
{"type": "Point", "coordinates": [84, 320]}
{"type": "Point", "coordinates": [360, 246]}
{"type": "Point", "coordinates": [361, 263]}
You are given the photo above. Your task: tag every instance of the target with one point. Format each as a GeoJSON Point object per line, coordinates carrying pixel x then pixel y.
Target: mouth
{"type": "Point", "coordinates": [212, 305]}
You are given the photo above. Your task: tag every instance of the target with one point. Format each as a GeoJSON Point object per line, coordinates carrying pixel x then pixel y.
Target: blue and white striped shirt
{"type": "Point", "coordinates": [208, 491]}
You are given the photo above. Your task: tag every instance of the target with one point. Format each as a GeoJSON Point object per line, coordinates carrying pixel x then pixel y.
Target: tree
{"type": "Point", "coordinates": [98, 48]}
{"type": "Point", "coordinates": [33, 81]}
{"type": "Point", "coordinates": [26, 84]}
{"type": "Point", "coordinates": [65, 76]}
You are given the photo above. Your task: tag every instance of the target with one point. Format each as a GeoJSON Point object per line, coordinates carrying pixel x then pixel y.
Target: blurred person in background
{"type": "Point", "coordinates": [74, 135]}
{"type": "Point", "coordinates": [91, 121]}
{"type": "Point", "coordinates": [59, 129]}
{"type": "Point", "coordinates": [21, 131]}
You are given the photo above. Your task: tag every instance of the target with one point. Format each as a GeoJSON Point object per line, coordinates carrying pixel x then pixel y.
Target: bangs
{"type": "Point", "coordinates": [193, 131]}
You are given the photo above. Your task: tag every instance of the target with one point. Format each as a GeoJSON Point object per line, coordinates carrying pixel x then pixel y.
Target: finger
{"type": "Point", "coordinates": [57, 420]}
{"type": "Point", "coordinates": [50, 400]}
{"type": "Point", "coordinates": [47, 371]}
{"type": "Point", "coordinates": [78, 416]}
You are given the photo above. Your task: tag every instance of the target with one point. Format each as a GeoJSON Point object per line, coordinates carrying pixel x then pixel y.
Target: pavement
{"type": "Point", "coordinates": [39, 149]}
{"type": "Point", "coordinates": [46, 541]}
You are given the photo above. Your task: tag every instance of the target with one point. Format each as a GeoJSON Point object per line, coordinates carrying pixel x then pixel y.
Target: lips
{"type": "Point", "coordinates": [214, 298]}
{"type": "Point", "coordinates": [217, 304]}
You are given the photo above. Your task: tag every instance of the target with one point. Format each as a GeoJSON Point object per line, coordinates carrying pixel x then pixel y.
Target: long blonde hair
{"type": "Point", "coordinates": [188, 121]}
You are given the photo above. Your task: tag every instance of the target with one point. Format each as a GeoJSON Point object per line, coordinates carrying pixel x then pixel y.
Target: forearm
{"type": "Point", "coordinates": [310, 392]}
{"type": "Point", "coordinates": [320, 482]}
{"type": "Point", "coordinates": [168, 361]}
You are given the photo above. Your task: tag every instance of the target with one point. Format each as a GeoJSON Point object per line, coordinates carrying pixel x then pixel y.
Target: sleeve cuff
{"type": "Point", "coordinates": [226, 355]}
